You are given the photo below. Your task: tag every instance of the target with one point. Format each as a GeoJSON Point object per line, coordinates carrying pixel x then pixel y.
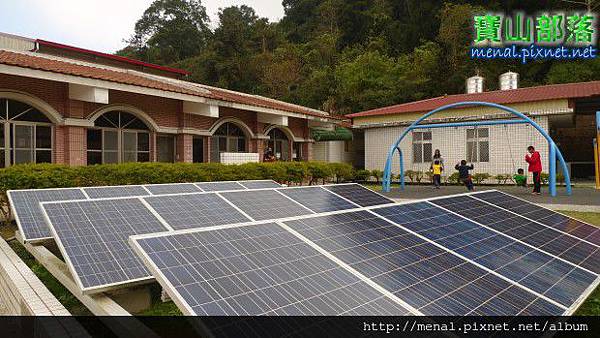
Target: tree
{"type": "Point", "coordinates": [169, 31]}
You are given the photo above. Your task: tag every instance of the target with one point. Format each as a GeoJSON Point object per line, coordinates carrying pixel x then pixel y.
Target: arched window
{"type": "Point", "coordinates": [25, 134]}
{"type": "Point", "coordinates": [118, 137]}
{"type": "Point", "coordinates": [228, 138]}
{"type": "Point", "coordinates": [279, 144]}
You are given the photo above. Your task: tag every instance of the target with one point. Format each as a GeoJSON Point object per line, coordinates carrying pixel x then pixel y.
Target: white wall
{"type": "Point", "coordinates": [332, 151]}
{"type": "Point", "coordinates": [508, 145]}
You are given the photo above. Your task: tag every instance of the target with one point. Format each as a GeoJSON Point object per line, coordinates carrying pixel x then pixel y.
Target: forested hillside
{"type": "Point", "coordinates": [341, 56]}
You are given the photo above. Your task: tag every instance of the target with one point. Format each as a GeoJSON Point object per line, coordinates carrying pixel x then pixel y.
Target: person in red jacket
{"type": "Point", "coordinates": [535, 166]}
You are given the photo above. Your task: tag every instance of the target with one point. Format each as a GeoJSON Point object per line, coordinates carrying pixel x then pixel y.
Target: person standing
{"type": "Point", "coordinates": [534, 160]}
{"type": "Point", "coordinates": [437, 167]}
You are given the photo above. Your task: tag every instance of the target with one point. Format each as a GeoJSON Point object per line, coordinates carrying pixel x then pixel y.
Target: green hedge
{"type": "Point", "coordinates": [59, 176]}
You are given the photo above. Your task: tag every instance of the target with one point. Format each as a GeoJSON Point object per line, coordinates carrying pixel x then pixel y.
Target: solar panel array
{"type": "Point", "coordinates": [338, 249]}
{"type": "Point", "coordinates": [25, 203]}
{"type": "Point", "coordinates": [459, 255]}
{"type": "Point", "coordinates": [172, 212]}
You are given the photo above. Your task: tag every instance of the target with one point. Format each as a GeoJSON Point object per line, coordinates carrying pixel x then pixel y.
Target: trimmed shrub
{"type": "Point", "coordinates": [362, 175]}
{"type": "Point", "coordinates": [503, 178]}
{"type": "Point", "coordinates": [453, 179]}
{"type": "Point", "coordinates": [319, 171]}
{"type": "Point", "coordinates": [377, 174]}
{"type": "Point", "coordinates": [480, 177]}
{"type": "Point", "coordinates": [342, 171]}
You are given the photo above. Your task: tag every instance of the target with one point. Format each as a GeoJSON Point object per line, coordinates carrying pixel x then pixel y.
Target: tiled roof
{"type": "Point", "coordinates": [526, 94]}
{"type": "Point", "coordinates": [66, 67]}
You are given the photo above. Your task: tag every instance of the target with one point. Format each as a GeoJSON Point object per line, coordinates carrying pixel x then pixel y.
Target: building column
{"type": "Point", "coordinates": [291, 150]}
{"type": "Point", "coordinates": [58, 145]}
{"type": "Point", "coordinates": [185, 148]}
{"type": "Point", "coordinates": [307, 154]}
{"type": "Point", "coordinates": [75, 145]}
{"type": "Point", "coordinates": [152, 147]}
{"type": "Point", "coordinates": [207, 148]}
{"type": "Point", "coordinates": [260, 149]}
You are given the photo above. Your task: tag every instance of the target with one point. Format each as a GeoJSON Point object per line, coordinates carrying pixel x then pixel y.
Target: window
{"type": "Point", "coordinates": [118, 137]}
{"type": "Point", "coordinates": [422, 148]}
{"type": "Point", "coordinates": [478, 145]}
{"type": "Point", "coordinates": [165, 148]}
{"type": "Point", "coordinates": [347, 146]}
{"type": "Point", "coordinates": [228, 138]}
{"type": "Point", "coordinates": [298, 151]}
{"type": "Point", "coordinates": [279, 144]}
{"type": "Point", "coordinates": [25, 134]}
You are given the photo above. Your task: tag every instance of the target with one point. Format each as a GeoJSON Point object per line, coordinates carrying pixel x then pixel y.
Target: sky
{"type": "Point", "coordinates": [97, 24]}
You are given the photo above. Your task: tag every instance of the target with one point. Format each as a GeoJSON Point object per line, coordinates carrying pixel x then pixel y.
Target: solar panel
{"type": "Point", "coordinates": [195, 210]}
{"type": "Point", "coordinates": [544, 238]}
{"type": "Point", "coordinates": [265, 204]}
{"type": "Point", "coordinates": [259, 184]}
{"type": "Point", "coordinates": [542, 215]}
{"type": "Point", "coordinates": [220, 186]}
{"type": "Point", "coordinates": [116, 191]}
{"type": "Point", "coordinates": [424, 275]}
{"type": "Point", "coordinates": [359, 194]}
{"type": "Point", "coordinates": [256, 270]}
{"type": "Point", "coordinates": [317, 199]}
{"type": "Point", "coordinates": [28, 214]}
{"type": "Point", "coordinates": [554, 278]}
{"type": "Point", "coordinates": [172, 188]}
{"type": "Point", "coordinates": [92, 236]}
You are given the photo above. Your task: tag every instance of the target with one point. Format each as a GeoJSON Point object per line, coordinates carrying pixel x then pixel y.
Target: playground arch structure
{"type": "Point", "coordinates": [554, 152]}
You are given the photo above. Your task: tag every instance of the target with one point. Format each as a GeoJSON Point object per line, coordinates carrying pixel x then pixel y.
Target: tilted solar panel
{"type": "Point", "coordinates": [318, 199]}
{"type": "Point", "coordinates": [256, 270]}
{"type": "Point", "coordinates": [358, 194]}
{"type": "Point", "coordinates": [28, 214]}
{"type": "Point", "coordinates": [116, 191]}
{"type": "Point", "coordinates": [220, 186]}
{"type": "Point", "coordinates": [542, 215]}
{"type": "Point", "coordinates": [92, 236]}
{"type": "Point", "coordinates": [172, 188]}
{"type": "Point", "coordinates": [265, 204]}
{"type": "Point", "coordinates": [424, 275]}
{"type": "Point", "coordinates": [259, 184]}
{"type": "Point", "coordinates": [559, 280]}
{"type": "Point", "coordinates": [547, 239]}
{"type": "Point", "coordinates": [195, 210]}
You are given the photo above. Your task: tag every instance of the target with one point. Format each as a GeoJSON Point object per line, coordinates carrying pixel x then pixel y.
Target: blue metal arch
{"type": "Point", "coordinates": [554, 152]}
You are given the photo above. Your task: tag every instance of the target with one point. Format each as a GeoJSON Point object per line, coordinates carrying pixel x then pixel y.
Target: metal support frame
{"type": "Point", "coordinates": [554, 152]}
{"type": "Point", "coordinates": [597, 150]}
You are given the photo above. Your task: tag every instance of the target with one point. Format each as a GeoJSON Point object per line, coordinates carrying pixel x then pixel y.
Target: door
{"type": "Point", "coordinates": [198, 149]}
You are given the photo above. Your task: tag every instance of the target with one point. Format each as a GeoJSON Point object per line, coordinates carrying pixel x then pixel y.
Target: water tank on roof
{"type": "Point", "coordinates": [509, 80]}
{"type": "Point", "coordinates": [475, 84]}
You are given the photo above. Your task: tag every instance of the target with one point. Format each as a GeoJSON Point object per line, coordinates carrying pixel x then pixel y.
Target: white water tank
{"type": "Point", "coordinates": [475, 84]}
{"type": "Point", "coordinates": [509, 80]}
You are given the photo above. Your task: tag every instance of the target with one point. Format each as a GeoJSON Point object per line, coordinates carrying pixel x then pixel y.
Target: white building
{"type": "Point", "coordinates": [566, 111]}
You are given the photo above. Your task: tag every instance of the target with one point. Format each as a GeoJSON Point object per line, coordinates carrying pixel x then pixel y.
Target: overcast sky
{"type": "Point", "coordinates": [98, 24]}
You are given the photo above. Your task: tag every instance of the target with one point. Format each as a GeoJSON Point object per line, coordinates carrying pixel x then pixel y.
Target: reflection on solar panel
{"type": "Point", "coordinates": [318, 199]}
{"type": "Point", "coordinates": [556, 279]}
{"type": "Point", "coordinates": [358, 194]}
{"type": "Point", "coordinates": [544, 238]}
{"type": "Point", "coordinates": [174, 188]}
{"type": "Point", "coordinates": [265, 204]}
{"type": "Point", "coordinates": [427, 277]}
{"type": "Point", "coordinates": [117, 191]}
{"type": "Point", "coordinates": [196, 210]}
{"type": "Point", "coordinates": [260, 184]}
{"type": "Point", "coordinates": [544, 216]}
{"type": "Point", "coordinates": [220, 186]}
{"type": "Point", "coordinates": [92, 236]}
{"type": "Point", "coordinates": [28, 214]}
{"type": "Point", "coordinates": [257, 270]}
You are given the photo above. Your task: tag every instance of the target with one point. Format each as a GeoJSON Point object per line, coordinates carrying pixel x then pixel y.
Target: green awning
{"type": "Point", "coordinates": [338, 134]}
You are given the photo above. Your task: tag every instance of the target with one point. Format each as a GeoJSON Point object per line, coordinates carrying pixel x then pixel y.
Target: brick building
{"type": "Point", "coordinates": [565, 111]}
{"type": "Point", "coordinates": [63, 104]}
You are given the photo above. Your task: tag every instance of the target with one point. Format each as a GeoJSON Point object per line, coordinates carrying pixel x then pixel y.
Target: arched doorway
{"type": "Point", "coordinates": [280, 144]}
{"type": "Point", "coordinates": [228, 138]}
{"type": "Point", "coordinates": [118, 137]}
{"type": "Point", "coordinates": [26, 134]}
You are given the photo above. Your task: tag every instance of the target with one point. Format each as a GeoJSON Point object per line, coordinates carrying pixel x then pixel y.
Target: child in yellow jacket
{"type": "Point", "coordinates": [436, 169]}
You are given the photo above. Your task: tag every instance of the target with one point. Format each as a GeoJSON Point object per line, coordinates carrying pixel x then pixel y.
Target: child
{"type": "Point", "coordinates": [436, 169]}
{"type": "Point", "coordinates": [463, 174]}
{"type": "Point", "coordinates": [535, 167]}
{"type": "Point", "coordinates": [520, 178]}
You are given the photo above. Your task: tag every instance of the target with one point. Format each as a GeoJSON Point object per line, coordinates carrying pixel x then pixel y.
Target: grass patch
{"type": "Point", "coordinates": [588, 217]}
{"type": "Point", "coordinates": [160, 308]}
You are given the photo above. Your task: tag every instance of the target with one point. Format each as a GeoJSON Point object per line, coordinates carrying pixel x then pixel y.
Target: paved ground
{"type": "Point", "coordinates": [582, 199]}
